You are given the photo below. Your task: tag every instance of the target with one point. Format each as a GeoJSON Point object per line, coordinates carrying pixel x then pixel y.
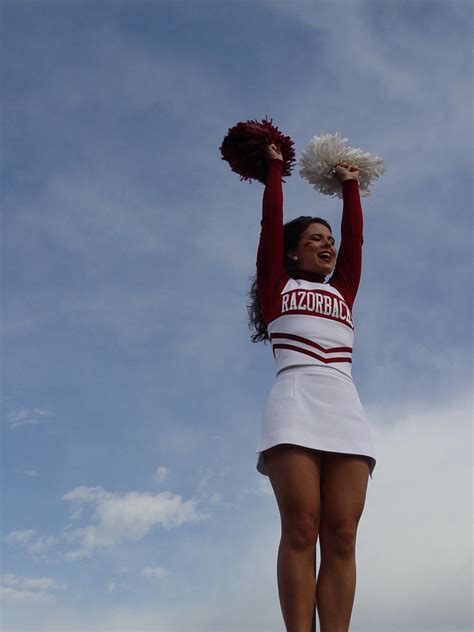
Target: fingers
{"type": "Point", "coordinates": [347, 165]}
{"type": "Point", "coordinates": [273, 152]}
{"type": "Point", "coordinates": [342, 169]}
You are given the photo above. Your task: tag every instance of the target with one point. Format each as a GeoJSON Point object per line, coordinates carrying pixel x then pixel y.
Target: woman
{"type": "Point", "coordinates": [315, 443]}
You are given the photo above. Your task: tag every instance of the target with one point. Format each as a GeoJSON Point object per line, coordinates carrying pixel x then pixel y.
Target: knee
{"type": "Point", "coordinates": [339, 541]}
{"type": "Point", "coordinates": [300, 532]}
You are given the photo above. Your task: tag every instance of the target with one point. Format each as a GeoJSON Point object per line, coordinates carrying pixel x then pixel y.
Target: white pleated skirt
{"type": "Point", "coordinates": [315, 407]}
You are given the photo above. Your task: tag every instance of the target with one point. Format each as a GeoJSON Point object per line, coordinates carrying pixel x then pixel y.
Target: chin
{"type": "Point", "coordinates": [325, 271]}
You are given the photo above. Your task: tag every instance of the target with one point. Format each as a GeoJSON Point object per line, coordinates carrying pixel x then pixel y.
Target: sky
{"type": "Point", "coordinates": [131, 392]}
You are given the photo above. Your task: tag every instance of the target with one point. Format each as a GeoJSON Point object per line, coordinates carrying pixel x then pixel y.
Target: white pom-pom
{"type": "Point", "coordinates": [324, 152]}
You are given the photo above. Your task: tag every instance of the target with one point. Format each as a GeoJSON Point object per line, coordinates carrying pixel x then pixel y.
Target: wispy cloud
{"type": "Point", "coordinates": [28, 590]}
{"type": "Point", "coordinates": [20, 537]}
{"type": "Point", "coordinates": [28, 417]}
{"type": "Point", "coordinates": [419, 492]}
{"type": "Point", "coordinates": [37, 547]}
{"type": "Point", "coordinates": [30, 473]}
{"type": "Point", "coordinates": [129, 247]}
{"type": "Point", "coordinates": [155, 572]}
{"type": "Point", "coordinates": [125, 517]}
{"type": "Point", "coordinates": [161, 474]}
{"type": "Point", "coordinates": [42, 547]}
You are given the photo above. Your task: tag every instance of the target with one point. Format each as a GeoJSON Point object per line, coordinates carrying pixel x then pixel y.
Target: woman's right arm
{"type": "Point", "coordinates": [271, 273]}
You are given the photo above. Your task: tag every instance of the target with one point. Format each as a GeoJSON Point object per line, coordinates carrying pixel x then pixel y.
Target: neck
{"type": "Point", "coordinates": [309, 276]}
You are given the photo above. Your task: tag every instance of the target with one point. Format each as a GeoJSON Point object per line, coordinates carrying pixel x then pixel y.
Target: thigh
{"type": "Point", "coordinates": [295, 475]}
{"type": "Point", "coordinates": [344, 483]}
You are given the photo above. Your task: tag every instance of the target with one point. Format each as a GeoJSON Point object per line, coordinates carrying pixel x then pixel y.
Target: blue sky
{"type": "Point", "coordinates": [131, 391]}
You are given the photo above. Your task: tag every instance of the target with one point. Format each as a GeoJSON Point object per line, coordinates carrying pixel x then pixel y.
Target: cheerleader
{"type": "Point", "coordinates": [315, 442]}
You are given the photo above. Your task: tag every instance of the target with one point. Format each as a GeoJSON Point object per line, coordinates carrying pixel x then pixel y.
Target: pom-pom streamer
{"type": "Point", "coordinates": [324, 152]}
{"type": "Point", "coordinates": [244, 145]}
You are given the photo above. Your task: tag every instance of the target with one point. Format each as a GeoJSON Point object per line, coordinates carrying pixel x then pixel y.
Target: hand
{"type": "Point", "coordinates": [272, 152]}
{"type": "Point", "coordinates": [346, 171]}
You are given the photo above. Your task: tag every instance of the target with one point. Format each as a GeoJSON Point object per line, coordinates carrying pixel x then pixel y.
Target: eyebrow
{"type": "Point", "coordinates": [320, 235]}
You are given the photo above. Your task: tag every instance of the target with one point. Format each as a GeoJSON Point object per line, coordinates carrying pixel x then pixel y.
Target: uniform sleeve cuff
{"type": "Point", "coordinates": [351, 182]}
{"type": "Point", "coordinates": [275, 160]}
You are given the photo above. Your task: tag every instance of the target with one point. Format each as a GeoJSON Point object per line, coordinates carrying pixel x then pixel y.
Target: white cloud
{"type": "Point", "coordinates": [32, 473]}
{"type": "Point", "coordinates": [9, 580]}
{"type": "Point", "coordinates": [28, 590]}
{"type": "Point", "coordinates": [111, 585]}
{"type": "Point", "coordinates": [126, 517]}
{"type": "Point", "coordinates": [85, 494]}
{"type": "Point", "coordinates": [37, 549]}
{"type": "Point", "coordinates": [31, 583]}
{"type": "Point", "coordinates": [27, 417]}
{"type": "Point", "coordinates": [19, 537]}
{"type": "Point", "coordinates": [117, 584]}
{"type": "Point", "coordinates": [41, 547]}
{"type": "Point", "coordinates": [412, 531]}
{"type": "Point", "coordinates": [11, 595]}
{"type": "Point", "coordinates": [413, 550]}
{"type": "Point", "coordinates": [417, 517]}
{"type": "Point", "coordinates": [264, 487]}
{"type": "Point", "coordinates": [382, 65]}
{"type": "Point", "coordinates": [155, 572]}
{"type": "Point", "coordinates": [161, 474]}
{"type": "Point", "coordinates": [102, 206]}
{"type": "Point", "coordinates": [215, 499]}
{"type": "Point", "coordinates": [93, 219]}
{"type": "Point", "coordinates": [207, 475]}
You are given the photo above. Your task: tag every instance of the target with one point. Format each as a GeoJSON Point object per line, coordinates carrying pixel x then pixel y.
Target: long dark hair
{"type": "Point", "coordinates": [292, 233]}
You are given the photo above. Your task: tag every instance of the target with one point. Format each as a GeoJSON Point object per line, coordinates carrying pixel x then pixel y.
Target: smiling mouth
{"type": "Point", "coordinates": [325, 256]}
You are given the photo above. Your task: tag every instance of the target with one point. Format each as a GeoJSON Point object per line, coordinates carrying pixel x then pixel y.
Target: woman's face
{"type": "Point", "coordinates": [316, 251]}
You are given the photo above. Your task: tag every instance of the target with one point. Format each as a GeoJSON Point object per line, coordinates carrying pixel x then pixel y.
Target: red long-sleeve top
{"type": "Point", "coordinates": [271, 274]}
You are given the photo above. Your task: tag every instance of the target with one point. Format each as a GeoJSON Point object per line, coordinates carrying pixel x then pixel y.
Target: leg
{"type": "Point", "coordinates": [295, 477]}
{"type": "Point", "coordinates": [343, 490]}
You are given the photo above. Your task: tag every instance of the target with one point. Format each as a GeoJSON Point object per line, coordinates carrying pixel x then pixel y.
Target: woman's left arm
{"type": "Point", "coordinates": [348, 268]}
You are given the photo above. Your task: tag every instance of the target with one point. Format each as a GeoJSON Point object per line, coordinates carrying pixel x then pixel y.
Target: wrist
{"type": "Point", "coordinates": [272, 161]}
{"type": "Point", "coordinates": [349, 178]}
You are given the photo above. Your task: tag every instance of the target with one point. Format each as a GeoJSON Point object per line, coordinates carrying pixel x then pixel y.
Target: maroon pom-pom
{"type": "Point", "coordinates": [244, 145]}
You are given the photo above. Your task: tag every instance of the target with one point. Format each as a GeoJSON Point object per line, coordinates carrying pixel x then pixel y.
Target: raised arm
{"type": "Point", "coordinates": [348, 269]}
{"type": "Point", "coordinates": [271, 273]}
